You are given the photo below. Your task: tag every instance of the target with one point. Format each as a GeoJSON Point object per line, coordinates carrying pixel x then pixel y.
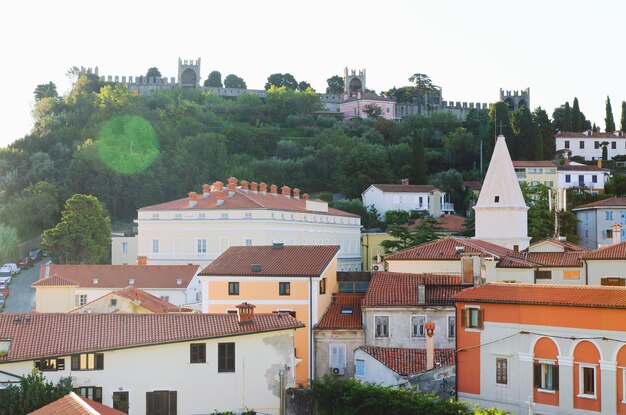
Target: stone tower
{"type": "Point", "coordinates": [189, 73]}
{"type": "Point", "coordinates": [516, 99]}
{"type": "Point", "coordinates": [501, 214]}
{"type": "Point", "coordinates": [353, 84]}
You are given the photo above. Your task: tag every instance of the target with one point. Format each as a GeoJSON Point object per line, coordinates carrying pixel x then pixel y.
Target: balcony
{"type": "Point", "coordinates": [447, 207]}
{"type": "Point", "coordinates": [521, 175]}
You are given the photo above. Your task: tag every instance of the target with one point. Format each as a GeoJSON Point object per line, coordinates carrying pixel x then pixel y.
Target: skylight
{"type": "Point", "coordinates": [346, 309]}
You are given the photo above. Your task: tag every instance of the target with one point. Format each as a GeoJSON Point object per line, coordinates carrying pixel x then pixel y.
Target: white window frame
{"type": "Point", "coordinates": [356, 367]}
{"type": "Point", "coordinates": [124, 247]}
{"type": "Point", "coordinates": [469, 327]}
{"type": "Point", "coordinates": [246, 240]}
{"type": "Point", "coordinates": [80, 300]}
{"type": "Point", "coordinates": [543, 365]}
{"type": "Point", "coordinates": [155, 246]}
{"type": "Point", "coordinates": [623, 384]}
{"type": "Point", "coordinates": [376, 327]}
{"type": "Point", "coordinates": [422, 334]}
{"type": "Point", "coordinates": [341, 355]}
{"type": "Point", "coordinates": [201, 246]}
{"type": "Point", "coordinates": [453, 318]}
{"type": "Point", "coordinates": [581, 380]}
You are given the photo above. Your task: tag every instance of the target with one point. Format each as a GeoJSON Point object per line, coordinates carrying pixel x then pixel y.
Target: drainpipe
{"type": "Point", "coordinates": [586, 272]}
{"type": "Point", "coordinates": [281, 377]}
{"type": "Point", "coordinates": [311, 326]}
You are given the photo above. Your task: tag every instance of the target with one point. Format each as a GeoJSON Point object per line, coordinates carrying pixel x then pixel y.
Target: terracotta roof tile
{"type": "Point", "coordinates": [245, 199]}
{"type": "Point", "coordinates": [598, 135]}
{"type": "Point", "coordinates": [579, 168]}
{"type": "Point", "coordinates": [610, 202]}
{"type": "Point", "coordinates": [290, 260]}
{"type": "Point", "coordinates": [395, 289]}
{"type": "Point", "coordinates": [408, 361]}
{"type": "Point", "coordinates": [530, 163]}
{"type": "Point", "coordinates": [617, 251]}
{"type": "Point", "coordinates": [369, 96]}
{"type": "Point", "coordinates": [144, 299]}
{"type": "Point", "coordinates": [118, 276]}
{"type": "Point", "coordinates": [55, 281]}
{"type": "Point", "coordinates": [333, 318]}
{"type": "Point", "coordinates": [568, 246]}
{"type": "Point", "coordinates": [74, 404]}
{"type": "Point", "coordinates": [447, 223]}
{"type": "Point", "coordinates": [556, 259]}
{"type": "Point", "coordinates": [558, 295]}
{"type": "Point", "coordinates": [59, 334]}
{"type": "Point", "coordinates": [406, 188]}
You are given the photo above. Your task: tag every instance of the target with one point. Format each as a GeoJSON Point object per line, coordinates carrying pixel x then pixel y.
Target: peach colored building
{"type": "Point", "coordinates": [356, 106]}
{"type": "Point", "coordinates": [549, 349]}
{"type": "Point", "coordinates": [298, 280]}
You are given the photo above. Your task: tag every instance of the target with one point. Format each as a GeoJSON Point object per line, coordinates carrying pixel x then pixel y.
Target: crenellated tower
{"type": "Point", "coordinates": [353, 82]}
{"type": "Point", "coordinates": [189, 73]}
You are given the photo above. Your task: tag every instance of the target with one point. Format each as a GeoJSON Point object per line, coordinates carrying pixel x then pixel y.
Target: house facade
{"type": "Point", "coordinates": [587, 177]}
{"type": "Point", "coordinates": [407, 197]}
{"type": "Point", "coordinates": [542, 349]}
{"type": "Point", "coordinates": [357, 106]}
{"type": "Point", "coordinates": [536, 172]}
{"type": "Point", "coordinates": [596, 220]}
{"type": "Point", "coordinates": [199, 228]}
{"type": "Point", "coordinates": [296, 280]}
{"type": "Point", "coordinates": [588, 144]}
{"type": "Point", "coordinates": [152, 363]}
{"type": "Point", "coordinates": [130, 300]}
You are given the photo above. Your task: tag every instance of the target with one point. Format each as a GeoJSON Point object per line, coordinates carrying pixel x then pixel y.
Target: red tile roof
{"type": "Point", "coordinates": [290, 260]}
{"type": "Point", "coordinates": [408, 361]}
{"type": "Point", "coordinates": [245, 199]}
{"type": "Point", "coordinates": [609, 202]}
{"type": "Point", "coordinates": [473, 184]}
{"type": "Point", "coordinates": [578, 168]}
{"type": "Point", "coordinates": [39, 335]}
{"type": "Point", "coordinates": [117, 276]}
{"type": "Point", "coordinates": [74, 404]}
{"type": "Point", "coordinates": [143, 299]}
{"type": "Point", "coordinates": [396, 289]}
{"type": "Point", "coordinates": [447, 223]}
{"type": "Point", "coordinates": [333, 318]}
{"type": "Point", "coordinates": [520, 163]}
{"type": "Point", "coordinates": [558, 295]}
{"type": "Point", "coordinates": [406, 188]}
{"type": "Point", "coordinates": [617, 251]}
{"type": "Point", "coordinates": [568, 246]}
{"type": "Point", "coordinates": [368, 96]}
{"type": "Point", "coordinates": [598, 135]}
{"type": "Point", "coordinates": [555, 259]}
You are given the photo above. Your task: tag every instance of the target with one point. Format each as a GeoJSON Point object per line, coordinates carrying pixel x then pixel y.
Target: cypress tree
{"type": "Point", "coordinates": [623, 120]}
{"type": "Point", "coordinates": [567, 118]}
{"type": "Point", "coordinates": [418, 160]}
{"type": "Point", "coordinates": [577, 122]}
{"type": "Point", "coordinates": [610, 123]}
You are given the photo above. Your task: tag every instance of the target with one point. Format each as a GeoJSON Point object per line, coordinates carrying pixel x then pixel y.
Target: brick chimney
{"type": "Point", "coordinates": [244, 186]}
{"type": "Point", "coordinates": [286, 191]}
{"type": "Point", "coordinates": [193, 199]}
{"type": "Point", "coordinates": [245, 313]}
{"type": "Point", "coordinates": [254, 186]}
{"type": "Point", "coordinates": [405, 182]}
{"type": "Point", "coordinates": [142, 260]}
{"type": "Point", "coordinates": [220, 198]}
{"type": "Point", "coordinates": [430, 345]}
{"type": "Point", "coordinates": [233, 180]}
{"type": "Point", "coordinates": [206, 190]}
{"type": "Point", "coordinates": [217, 186]}
{"type": "Point", "coordinates": [617, 233]}
{"type": "Point", "coordinates": [305, 196]}
{"type": "Point", "coordinates": [274, 190]}
{"type": "Point", "coordinates": [231, 189]}
{"type": "Point", "coordinates": [263, 188]}
{"type": "Point", "coordinates": [296, 193]}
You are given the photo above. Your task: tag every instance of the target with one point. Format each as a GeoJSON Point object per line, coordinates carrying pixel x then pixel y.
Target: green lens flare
{"type": "Point", "coordinates": [127, 144]}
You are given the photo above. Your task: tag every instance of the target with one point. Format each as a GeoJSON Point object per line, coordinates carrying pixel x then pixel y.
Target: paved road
{"type": "Point", "coordinates": [21, 294]}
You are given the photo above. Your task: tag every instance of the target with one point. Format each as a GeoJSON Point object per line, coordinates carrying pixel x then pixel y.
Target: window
{"type": "Point", "coordinates": [155, 246]}
{"type": "Point", "coordinates": [124, 247]}
{"type": "Point", "coordinates": [568, 178]}
{"type": "Point", "coordinates": [224, 215]}
{"type": "Point", "coordinates": [502, 371]}
{"type": "Point", "coordinates": [178, 216]}
{"type": "Point", "coordinates": [161, 403]}
{"type": "Point", "coordinates": [88, 361]}
{"type": "Point", "coordinates": [609, 234]}
{"type": "Point", "coordinates": [594, 178]}
{"type": "Point", "coordinates": [284, 288]}
{"type": "Point", "coordinates": [596, 144]}
{"type": "Point", "coordinates": [566, 144]}
{"type": "Point", "coordinates": [613, 145]}
{"type": "Point", "coordinates": [233, 288]}
{"type": "Point", "coordinates": [382, 326]}
{"type": "Point", "coordinates": [201, 246]}
{"type": "Point", "coordinates": [359, 366]}
{"type": "Point", "coordinates": [496, 199]}
{"type": "Point", "coordinates": [417, 326]}
{"type": "Point", "coordinates": [226, 357]}
{"type": "Point", "coordinates": [201, 215]}
{"type": "Point", "coordinates": [587, 381]}
{"type": "Point", "coordinates": [248, 242]}
{"type": "Point", "coordinates": [534, 183]}
{"type": "Point", "coordinates": [80, 299]}
{"type": "Point", "coordinates": [197, 353]}
{"type": "Point", "coordinates": [337, 355]}
{"type": "Point", "coordinates": [581, 144]}
{"type": "Point", "coordinates": [451, 327]}
{"type": "Point", "coordinates": [546, 376]}
{"type": "Point", "coordinates": [581, 179]}
{"type": "Point", "coordinates": [323, 286]}
{"type": "Point", "coordinates": [608, 215]}
{"type": "Point", "coordinates": [112, 302]}
{"type": "Point", "coordinates": [90, 392]}
{"type": "Point", "coordinates": [120, 401]}
{"type": "Point", "coordinates": [549, 183]}
{"type": "Point", "coordinates": [50, 365]}
{"type": "Point", "coordinates": [571, 275]}
{"type": "Point", "coordinates": [247, 215]}
{"type": "Point", "coordinates": [165, 298]}
{"type": "Point", "coordinates": [543, 275]}
{"type": "Point", "coordinates": [472, 318]}
{"type": "Point", "coordinates": [346, 309]}
{"type": "Point", "coordinates": [613, 281]}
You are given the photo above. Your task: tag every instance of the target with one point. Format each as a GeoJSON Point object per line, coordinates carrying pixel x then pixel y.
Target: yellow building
{"type": "Point", "coordinates": [536, 172]}
{"type": "Point", "coordinates": [371, 248]}
{"type": "Point", "coordinates": [293, 279]}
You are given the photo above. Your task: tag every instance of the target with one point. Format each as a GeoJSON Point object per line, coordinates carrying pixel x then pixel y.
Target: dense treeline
{"type": "Point", "coordinates": [202, 138]}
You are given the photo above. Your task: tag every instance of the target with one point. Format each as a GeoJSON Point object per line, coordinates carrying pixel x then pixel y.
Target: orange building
{"type": "Point", "coordinates": [295, 279]}
{"type": "Point", "coordinates": [558, 349]}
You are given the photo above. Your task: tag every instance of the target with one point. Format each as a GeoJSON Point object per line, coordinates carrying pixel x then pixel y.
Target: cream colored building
{"type": "Point", "coordinates": [534, 173]}
{"type": "Point", "coordinates": [130, 300]}
{"type": "Point", "coordinates": [123, 250]}
{"type": "Point", "coordinates": [192, 364]}
{"type": "Point", "coordinates": [199, 228]}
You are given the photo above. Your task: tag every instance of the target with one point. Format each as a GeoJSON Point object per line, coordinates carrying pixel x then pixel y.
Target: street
{"type": "Point", "coordinates": [21, 294]}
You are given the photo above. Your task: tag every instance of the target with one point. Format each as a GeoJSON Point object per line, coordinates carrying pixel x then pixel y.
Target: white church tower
{"type": "Point", "coordinates": [501, 214]}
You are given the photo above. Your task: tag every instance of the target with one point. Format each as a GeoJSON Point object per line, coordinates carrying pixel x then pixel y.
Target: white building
{"type": "Point", "coordinates": [596, 221]}
{"type": "Point", "coordinates": [199, 228]}
{"type": "Point", "coordinates": [588, 144]}
{"type": "Point", "coordinates": [580, 175]}
{"type": "Point", "coordinates": [407, 197]}
{"type": "Point", "coordinates": [158, 363]}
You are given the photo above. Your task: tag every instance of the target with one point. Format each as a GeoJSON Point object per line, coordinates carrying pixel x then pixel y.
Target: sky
{"type": "Point", "coordinates": [559, 49]}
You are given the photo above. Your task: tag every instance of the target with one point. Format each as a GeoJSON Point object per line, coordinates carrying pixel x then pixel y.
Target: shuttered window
{"type": "Point", "coordinates": [502, 370]}
{"type": "Point", "coordinates": [161, 403]}
{"type": "Point", "coordinates": [337, 354]}
{"type": "Point", "coordinates": [226, 357]}
{"type": "Point", "coordinates": [197, 353]}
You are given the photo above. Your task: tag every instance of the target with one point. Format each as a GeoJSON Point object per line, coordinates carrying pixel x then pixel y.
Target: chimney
{"type": "Point", "coordinates": [617, 233]}
{"type": "Point", "coordinates": [430, 345]}
{"type": "Point", "coordinates": [217, 186]}
{"type": "Point", "coordinates": [305, 196]}
{"type": "Point", "coordinates": [245, 313]}
{"type": "Point", "coordinates": [232, 180]}
{"type": "Point", "coordinates": [286, 191]}
{"type": "Point", "coordinates": [206, 190]}
{"type": "Point", "coordinates": [405, 182]}
{"type": "Point", "coordinates": [244, 186]}
{"type": "Point", "coordinates": [220, 198]}
{"type": "Point", "coordinates": [231, 189]}
{"type": "Point", "coordinates": [254, 186]}
{"type": "Point", "coordinates": [193, 199]}
{"type": "Point", "coordinates": [137, 297]}
{"type": "Point", "coordinates": [296, 193]}
{"type": "Point", "coordinates": [142, 260]}
{"type": "Point", "coordinates": [263, 188]}
{"type": "Point", "coordinates": [274, 190]}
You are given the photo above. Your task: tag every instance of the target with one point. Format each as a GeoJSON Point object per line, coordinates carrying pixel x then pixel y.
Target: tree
{"type": "Point", "coordinates": [32, 210]}
{"type": "Point", "coordinates": [608, 120]}
{"type": "Point", "coordinates": [426, 230]}
{"type": "Point", "coordinates": [278, 79]}
{"type": "Point", "coordinates": [605, 151]}
{"type": "Point", "coordinates": [335, 85]}
{"type": "Point", "coordinates": [418, 156]}
{"type": "Point", "coordinates": [526, 141]}
{"type": "Point", "coordinates": [82, 236]}
{"type": "Point", "coordinates": [623, 118]}
{"type": "Point", "coordinates": [303, 86]}
{"type": "Point", "coordinates": [461, 149]}
{"type": "Point", "coordinates": [567, 118]}
{"type": "Point", "coordinates": [48, 90]}
{"type": "Point", "coordinates": [577, 121]}
{"type": "Point", "coordinates": [8, 243]}
{"type": "Point", "coordinates": [153, 72]}
{"type": "Point", "coordinates": [372, 110]}
{"type": "Point", "coordinates": [423, 84]}
{"type": "Point", "coordinates": [233, 81]}
{"type": "Point", "coordinates": [396, 217]}
{"type": "Point", "coordinates": [32, 393]}
{"type": "Point", "coordinates": [214, 80]}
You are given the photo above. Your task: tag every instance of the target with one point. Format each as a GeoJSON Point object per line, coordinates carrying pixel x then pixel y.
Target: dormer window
{"type": "Point", "coordinates": [496, 199]}
{"type": "Point", "coordinates": [131, 281]}
{"type": "Point", "coordinates": [346, 309]}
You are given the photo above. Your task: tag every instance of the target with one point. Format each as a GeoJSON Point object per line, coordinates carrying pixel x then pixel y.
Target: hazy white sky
{"type": "Point", "coordinates": [558, 48]}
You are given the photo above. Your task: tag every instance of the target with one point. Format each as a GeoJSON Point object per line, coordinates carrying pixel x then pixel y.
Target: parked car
{"type": "Point", "coordinates": [26, 263]}
{"type": "Point", "coordinates": [2, 298]}
{"type": "Point", "coordinates": [13, 267]}
{"type": "Point", "coordinates": [5, 276]}
{"type": "Point", "coordinates": [36, 254]}
{"type": "Point", "coordinates": [3, 286]}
